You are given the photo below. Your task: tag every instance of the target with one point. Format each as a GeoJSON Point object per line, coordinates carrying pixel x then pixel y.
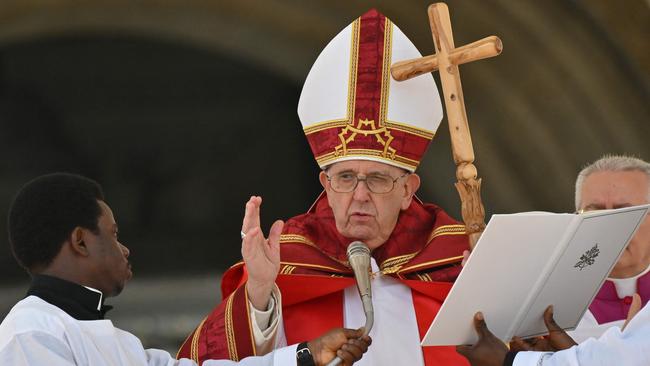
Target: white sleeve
{"type": "Point", "coordinates": [36, 348]}
{"type": "Point", "coordinates": [280, 357]}
{"type": "Point", "coordinates": [265, 323]}
{"type": "Point", "coordinates": [285, 356]}
{"type": "Point", "coordinates": [630, 348]}
{"type": "Point", "coordinates": [588, 327]}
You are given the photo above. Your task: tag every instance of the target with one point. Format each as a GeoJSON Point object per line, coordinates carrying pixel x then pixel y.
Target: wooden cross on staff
{"type": "Point", "coordinates": [446, 61]}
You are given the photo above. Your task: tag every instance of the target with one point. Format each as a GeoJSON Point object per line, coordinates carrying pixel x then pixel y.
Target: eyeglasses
{"type": "Point", "coordinates": [377, 183]}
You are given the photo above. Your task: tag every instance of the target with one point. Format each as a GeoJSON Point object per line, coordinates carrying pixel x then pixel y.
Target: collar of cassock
{"type": "Point", "coordinates": [80, 302]}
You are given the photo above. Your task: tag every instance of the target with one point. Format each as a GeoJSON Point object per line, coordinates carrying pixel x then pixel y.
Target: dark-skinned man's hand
{"type": "Point", "coordinates": [556, 340]}
{"type": "Point", "coordinates": [488, 351]}
{"type": "Point", "coordinates": [348, 344]}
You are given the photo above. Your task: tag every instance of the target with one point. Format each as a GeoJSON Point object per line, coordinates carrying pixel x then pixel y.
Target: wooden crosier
{"type": "Point", "coordinates": [446, 61]}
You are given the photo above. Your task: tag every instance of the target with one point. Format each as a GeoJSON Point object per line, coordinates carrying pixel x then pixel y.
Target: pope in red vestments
{"type": "Point", "coordinates": [368, 133]}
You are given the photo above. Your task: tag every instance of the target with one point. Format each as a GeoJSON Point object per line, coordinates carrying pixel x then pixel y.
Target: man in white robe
{"type": "Point", "coordinates": [64, 234]}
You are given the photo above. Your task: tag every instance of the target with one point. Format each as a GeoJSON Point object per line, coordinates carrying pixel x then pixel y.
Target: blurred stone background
{"type": "Point", "coordinates": [183, 109]}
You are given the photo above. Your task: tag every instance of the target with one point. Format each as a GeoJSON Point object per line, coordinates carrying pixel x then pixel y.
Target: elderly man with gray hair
{"type": "Point", "coordinates": [610, 182]}
{"type": "Point", "coordinates": [613, 182]}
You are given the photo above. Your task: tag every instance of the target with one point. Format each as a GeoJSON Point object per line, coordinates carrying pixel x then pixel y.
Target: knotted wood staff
{"type": "Point", "coordinates": [446, 61]}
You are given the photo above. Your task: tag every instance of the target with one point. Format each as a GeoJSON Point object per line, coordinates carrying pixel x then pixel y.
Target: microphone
{"type": "Point", "coordinates": [359, 258]}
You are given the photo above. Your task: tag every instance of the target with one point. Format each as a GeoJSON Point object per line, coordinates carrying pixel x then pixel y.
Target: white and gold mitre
{"type": "Point", "coordinates": [350, 107]}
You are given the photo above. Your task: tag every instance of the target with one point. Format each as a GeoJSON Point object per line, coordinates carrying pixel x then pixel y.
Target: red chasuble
{"type": "Point", "coordinates": [423, 252]}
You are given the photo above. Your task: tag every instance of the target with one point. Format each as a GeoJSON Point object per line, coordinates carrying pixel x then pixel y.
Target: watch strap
{"type": "Point", "coordinates": [303, 355]}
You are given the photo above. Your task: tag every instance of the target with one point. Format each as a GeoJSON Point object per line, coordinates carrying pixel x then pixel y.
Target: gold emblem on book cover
{"type": "Point", "coordinates": [588, 258]}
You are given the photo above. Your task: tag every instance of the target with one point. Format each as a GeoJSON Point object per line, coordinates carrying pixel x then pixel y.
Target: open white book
{"type": "Point", "coordinates": [524, 262]}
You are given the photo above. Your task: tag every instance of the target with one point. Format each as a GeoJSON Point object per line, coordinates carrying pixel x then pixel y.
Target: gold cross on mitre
{"type": "Point", "coordinates": [446, 61]}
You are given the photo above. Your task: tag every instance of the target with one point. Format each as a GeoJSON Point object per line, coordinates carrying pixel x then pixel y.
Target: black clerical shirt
{"type": "Point", "coordinates": [78, 301]}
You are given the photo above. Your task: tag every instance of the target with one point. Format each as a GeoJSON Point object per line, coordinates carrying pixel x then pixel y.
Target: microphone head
{"type": "Point", "coordinates": [358, 248]}
{"type": "Point", "coordinates": [359, 257]}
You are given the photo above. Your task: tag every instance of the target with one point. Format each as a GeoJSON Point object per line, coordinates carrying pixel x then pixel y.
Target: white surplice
{"type": "Point", "coordinates": [630, 347]}
{"type": "Point", "coordinates": [38, 333]}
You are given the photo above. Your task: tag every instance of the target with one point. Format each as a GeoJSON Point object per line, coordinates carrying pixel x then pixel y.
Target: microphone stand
{"type": "Point", "coordinates": [359, 258]}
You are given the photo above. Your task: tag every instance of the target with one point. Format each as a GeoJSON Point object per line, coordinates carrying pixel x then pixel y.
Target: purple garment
{"type": "Point", "coordinates": [608, 307]}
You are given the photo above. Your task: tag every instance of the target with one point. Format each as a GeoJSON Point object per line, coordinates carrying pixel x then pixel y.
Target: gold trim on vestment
{"type": "Point", "coordinates": [391, 125]}
{"type": "Point", "coordinates": [335, 123]}
{"type": "Point", "coordinates": [299, 239]}
{"type": "Point", "coordinates": [354, 63]}
{"type": "Point", "coordinates": [439, 261]}
{"type": "Point", "coordinates": [248, 318]}
{"type": "Point", "coordinates": [406, 163]}
{"type": "Point", "coordinates": [394, 264]}
{"type": "Point", "coordinates": [366, 152]}
{"type": "Point", "coordinates": [295, 238]}
{"type": "Point", "coordinates": [385, 72]}
{"type": "Point", "coordinates": [194, 346]}
{"type": "Point", "coordinates": [421, 132]}
{"type": "Point", "coordinates": [287, 269]}
{"type": "Point", "coordinates": [314, 266]}
{"type": "Point", "coordinates": [230, 331]}
{"type": "Point", "coordinates": [447, 230]}
{"type": "Point", "coordinates": [400, 259]}
{"type": "Point", "coordinates": [240, 263]}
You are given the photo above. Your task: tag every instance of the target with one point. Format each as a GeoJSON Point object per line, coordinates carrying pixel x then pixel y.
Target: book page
{"type": "Point", "coordinates": [498, 276]}
{"type": "Point", "coordinates": [585, 262]}
{"type": "Point", "coordinates": [523, 263]}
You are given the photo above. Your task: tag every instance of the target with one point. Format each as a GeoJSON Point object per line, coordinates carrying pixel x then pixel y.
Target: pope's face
{"type": "Point", "coordinates": [608, 190]}
{"type": "Point", "coordinates": [364, 215]}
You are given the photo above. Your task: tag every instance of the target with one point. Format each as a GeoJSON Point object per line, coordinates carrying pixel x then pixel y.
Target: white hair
{"type": "Point", "coordinates": [611, 163]}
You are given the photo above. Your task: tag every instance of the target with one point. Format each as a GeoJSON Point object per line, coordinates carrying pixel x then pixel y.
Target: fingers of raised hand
{"type": "Point", "coordinates": [252, 214]}
{"type": "Point", "coordinates": [251, 242]}
{"type": "Point", "coordinates": [274, 234]}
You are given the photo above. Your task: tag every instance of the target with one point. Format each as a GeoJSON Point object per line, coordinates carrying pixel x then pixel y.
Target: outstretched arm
{"type": "Point", "coordinates": [344, 343]}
